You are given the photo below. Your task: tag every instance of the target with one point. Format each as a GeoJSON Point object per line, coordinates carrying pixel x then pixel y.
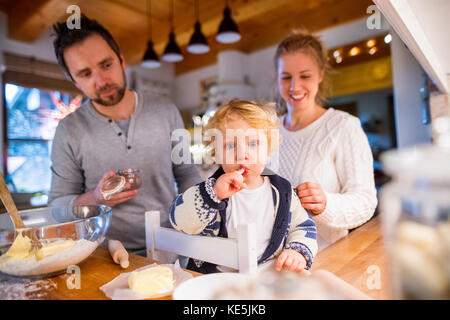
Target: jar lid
{"type": "Point", "coordinates": [427, 161]}
{"type": "Point", "coordinates": [128, 170]}
{"type": "Point", "coordinates": [113, 185]}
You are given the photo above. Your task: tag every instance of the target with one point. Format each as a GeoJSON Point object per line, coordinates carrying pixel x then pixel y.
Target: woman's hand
{"type": "Point", "coordinates": [229, 183]}
{"type": "Point", "coordinates": [291, 260]}
{"type": "Point", "coordinates": [312, 197]}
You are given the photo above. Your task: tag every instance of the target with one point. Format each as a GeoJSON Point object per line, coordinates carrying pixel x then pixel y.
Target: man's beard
{"type": "Point", "coordinates": [113, 99]}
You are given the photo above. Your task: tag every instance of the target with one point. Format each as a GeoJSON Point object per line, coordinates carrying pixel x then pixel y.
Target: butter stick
{"type": "Point", "coordinates": [50, 249]}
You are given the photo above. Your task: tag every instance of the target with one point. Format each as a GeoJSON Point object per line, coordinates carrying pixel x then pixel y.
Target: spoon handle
{"type": "Point", "coordinates": [9, 204]}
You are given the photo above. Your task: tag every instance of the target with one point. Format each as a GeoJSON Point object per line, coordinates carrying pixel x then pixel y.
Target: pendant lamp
{"type": "Point", "coordinates": [150, 59]}
{"type": "Point", "coordinates": [228, 30]}
{"type": "Point", "coordinates": [172, 53]}
{"type": "Point", "coordinates": [198, 43]}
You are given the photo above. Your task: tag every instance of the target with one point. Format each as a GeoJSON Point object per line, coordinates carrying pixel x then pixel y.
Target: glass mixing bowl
{"type": "Point", "coordinates": [82, 227]}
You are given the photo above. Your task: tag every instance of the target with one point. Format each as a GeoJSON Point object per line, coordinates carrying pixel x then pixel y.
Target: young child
{"type": "Point", "coordinates": [243, 191]}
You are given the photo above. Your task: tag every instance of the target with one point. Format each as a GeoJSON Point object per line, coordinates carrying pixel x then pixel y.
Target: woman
{"type": "Point", "coordinates": [324, 152]}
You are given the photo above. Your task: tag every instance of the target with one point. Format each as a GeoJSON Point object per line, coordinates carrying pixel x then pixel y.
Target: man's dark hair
{"type": "Point", "coordinates": [66, 37]}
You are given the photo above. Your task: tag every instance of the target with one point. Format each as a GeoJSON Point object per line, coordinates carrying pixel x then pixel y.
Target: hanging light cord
{"type": "Point", "coordinates": [149, 12]}
{"type": "Point", "coordinates": [196, 10]}
{"type": "Point", "coordinates": [171, 15]}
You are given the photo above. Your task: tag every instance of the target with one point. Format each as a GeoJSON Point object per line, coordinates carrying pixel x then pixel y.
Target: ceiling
{"type": "Point", "coordinates": [262, 23]}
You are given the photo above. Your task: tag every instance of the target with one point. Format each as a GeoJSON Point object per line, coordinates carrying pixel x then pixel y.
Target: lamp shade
{"type": "Point", "coordinates": [172, 53]}
{"type": "Point", "coordinates": [198, 43]}
{"type": "Point", "coordinates": [228, 30]}
{"type": "Point", "coordinates": [150, 59]}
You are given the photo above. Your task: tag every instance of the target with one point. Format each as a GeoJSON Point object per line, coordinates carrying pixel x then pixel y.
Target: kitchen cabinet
{"type": "Point", "coordinates": [423, 26]}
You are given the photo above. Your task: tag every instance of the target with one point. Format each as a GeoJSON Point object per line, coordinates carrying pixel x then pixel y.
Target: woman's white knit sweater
{"type": "Point", "coordinates": [334, 152]}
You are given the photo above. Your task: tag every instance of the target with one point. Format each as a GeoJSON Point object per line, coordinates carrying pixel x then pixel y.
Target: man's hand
{"type": "Point", "coordinates": [94, 196]}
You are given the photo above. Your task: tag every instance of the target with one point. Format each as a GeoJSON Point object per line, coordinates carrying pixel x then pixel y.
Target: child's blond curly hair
{"type": "Point", "coordinates": [258, 116]}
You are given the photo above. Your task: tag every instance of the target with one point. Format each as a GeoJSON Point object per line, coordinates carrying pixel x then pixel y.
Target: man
{"type": "Point", "coordinates": [116, 128]}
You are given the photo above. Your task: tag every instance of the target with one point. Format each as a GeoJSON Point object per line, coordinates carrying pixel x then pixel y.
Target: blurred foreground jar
{"type": "Point", "coordinates": [415, 211]}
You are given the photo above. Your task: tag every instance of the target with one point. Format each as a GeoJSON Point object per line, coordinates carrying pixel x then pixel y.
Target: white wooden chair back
{"type": "Point", "coordinates": [239, 254]}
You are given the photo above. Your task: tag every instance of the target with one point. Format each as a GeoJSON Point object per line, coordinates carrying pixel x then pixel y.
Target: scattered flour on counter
{"type": "Point", "coordinates": [59, 261]}
{"type": "Point", "coordinates": [24, 289]}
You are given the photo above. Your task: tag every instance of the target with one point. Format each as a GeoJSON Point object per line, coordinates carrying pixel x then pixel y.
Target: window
{"type": "Point", "coordinates": [31, 118]}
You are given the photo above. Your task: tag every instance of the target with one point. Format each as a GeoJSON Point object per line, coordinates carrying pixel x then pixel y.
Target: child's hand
{"type": "Point", "coordinates": [290, 259]}
{"type": "Point", "coordinates": [229, 183]}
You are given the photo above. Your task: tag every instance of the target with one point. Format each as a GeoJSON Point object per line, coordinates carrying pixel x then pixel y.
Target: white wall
{"type": "Point", "coordinates": [187, 86]}
{"type": "Point", "coordinates": [159, 80]}
{"type": "Point", "coordinates": [423, 26]}
{"type": "Point", "coordinates": [165, 73]}
{"type": "Point", "coordinates": [434, 20]}
{"type": "Point", "coordinates": [408, 79]}
{"type": "Point", "coordinates": [41, 49]}
{"type": "Point", "coordinates": [262, 73]}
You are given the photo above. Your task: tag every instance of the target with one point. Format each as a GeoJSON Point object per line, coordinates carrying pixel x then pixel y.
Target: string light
{"type": "Point", "coordinates": [354, 51]}
{"type": "Point", "coordinates": [388, 38]}
{"type": "Point", "coordinates": [373, 50]}
{"type": "Point", "coordinates": [370, 43]}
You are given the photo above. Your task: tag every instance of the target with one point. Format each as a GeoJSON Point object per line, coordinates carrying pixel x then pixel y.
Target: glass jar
{"type": "Point", "coordinates": [112, 186]}
{"type": "Point", "coordinates": [132, 176]}
{"type": "Point", "coordinates": [415, 213]}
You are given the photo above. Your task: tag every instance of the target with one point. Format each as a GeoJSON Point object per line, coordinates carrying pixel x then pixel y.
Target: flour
{"type": "Point", "coordinates": [57, 262]}
{"type": "Point", "coordinates": [24, 289]}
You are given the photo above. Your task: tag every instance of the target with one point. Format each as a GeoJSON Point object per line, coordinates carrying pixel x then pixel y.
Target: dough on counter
{"type": "Point", "coordinates": [151, 281]}
{"type": "Point", "coordinates": [21, 247]}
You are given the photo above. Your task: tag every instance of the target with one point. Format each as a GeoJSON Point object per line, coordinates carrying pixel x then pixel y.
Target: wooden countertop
{"type": "Point", "coordinates": [95, 271]}
{"type": "Point", "coordinates": [360, 260]}
{"type": "Point", "coordinates": [356, 259]}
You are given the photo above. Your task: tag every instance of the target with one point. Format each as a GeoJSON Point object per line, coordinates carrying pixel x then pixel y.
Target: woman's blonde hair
{"type": "Point", "coordinates": [301, 40]}
{"type": "Point", "coordinates": [258, 116]}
